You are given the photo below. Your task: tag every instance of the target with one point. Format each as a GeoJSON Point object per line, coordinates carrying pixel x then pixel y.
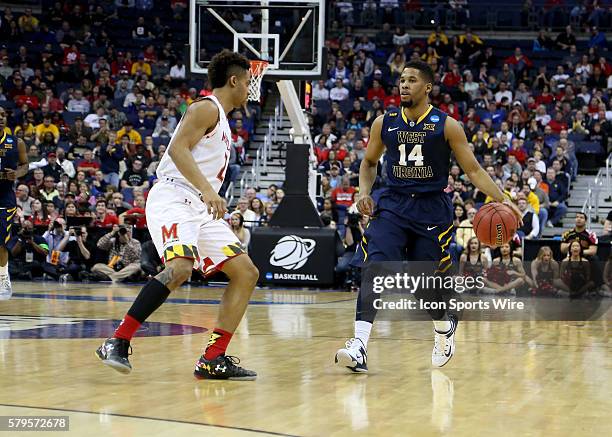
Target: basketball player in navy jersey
{"type": "Point", "coordinates": [13, 165]}
{"type": "Point", "coordinates": [413, 219]}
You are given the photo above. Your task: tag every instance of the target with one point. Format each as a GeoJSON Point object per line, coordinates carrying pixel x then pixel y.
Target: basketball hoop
{"type": "Point", "coordinates": [258, 69]}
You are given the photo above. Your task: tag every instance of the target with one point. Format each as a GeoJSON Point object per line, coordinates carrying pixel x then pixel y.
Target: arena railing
{"type": "Point", "coordinates": [229, 193]}
{"type": "Point", "coordinates": [602, 181]}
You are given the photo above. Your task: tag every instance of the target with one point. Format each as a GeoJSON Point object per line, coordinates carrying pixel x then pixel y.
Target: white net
{"type": "Point", "coordinates": [258, 69]}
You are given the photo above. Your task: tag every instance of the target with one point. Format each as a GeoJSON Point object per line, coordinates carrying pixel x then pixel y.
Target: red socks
{"type": "Point", "coordinates": [219, 339]}
{"type": "Point", "coordinates": [128, 327]}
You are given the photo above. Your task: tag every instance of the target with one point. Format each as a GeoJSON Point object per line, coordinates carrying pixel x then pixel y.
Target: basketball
{"type": "Point", "coordinates": [495, 224]}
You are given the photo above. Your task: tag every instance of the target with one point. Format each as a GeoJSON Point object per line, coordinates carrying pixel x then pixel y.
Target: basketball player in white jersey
{"type": "Point", "coordinates": [185, 219]}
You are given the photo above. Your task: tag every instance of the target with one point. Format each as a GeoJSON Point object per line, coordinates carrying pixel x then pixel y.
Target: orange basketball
{"type": "Point", "coordinates": [495, 224]}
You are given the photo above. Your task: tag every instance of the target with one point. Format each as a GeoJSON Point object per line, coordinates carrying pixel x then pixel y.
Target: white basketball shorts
{"type": "Point", "coordinates": [181, 227]}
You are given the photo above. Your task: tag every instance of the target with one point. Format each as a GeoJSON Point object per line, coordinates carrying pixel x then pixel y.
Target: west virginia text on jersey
{"type": "Point", "coordinates": [418, 155]}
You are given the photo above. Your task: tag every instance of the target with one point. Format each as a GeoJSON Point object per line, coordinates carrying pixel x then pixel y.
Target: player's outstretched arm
{"type": "Point", "coordinates": [367, 169]}
{"type": "Point", "coordinates": [199, 119]}
{"type": "Point", "coordinates": [467, 161]}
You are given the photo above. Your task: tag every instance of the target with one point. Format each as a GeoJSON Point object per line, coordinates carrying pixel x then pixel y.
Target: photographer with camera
{"type": "Point", "coordinates": [28, 253]}
{"type": "Point", "coordinates": [57, 239]}
{"type": "Point", "coordinates": [123, 257]}
{"type": "Point", "coordinates": [80, 250]}
{"type": "Point", "coordinates": [355, 228]}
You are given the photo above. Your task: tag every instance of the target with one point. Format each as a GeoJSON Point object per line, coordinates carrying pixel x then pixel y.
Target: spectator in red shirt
{"type": "Point", "coordinates": [340, 150]}
{"type": "Point", "coordinates": [149, 54]}
{"type": "Point", "coordinates": [376, 91]}
{"type": "Point", "coordinates": [136, 215]}
{"type": "Point", "coordinates": [71, 55]}
{"type": "Point", "coordinates": [88, 164]}
{"type": "Point", "coordinates": [546, 98]}
{"type": "Point", "coordinates": [121, 63]}
{"type": "Point", "coordinates": [104, 218]}
{"type": "Point", "coordinates": [27, 98]}
{"type": "Point", "coordinates": [55, 104]}
{"type": "Point", "coordinates": [394, 98]}
{"type": "Point", "coordinates": [344, 194]}
{"type": "Point", "coordinates": [449, 107]}
{"type": "Point", "coordinates": [557, 125]}
{"type": "Point", "coordinates": [452, 78]}
{"type": "Point", "coordinates": [518, 61]}
{"type": "Point", "coordinates": [241, 131]}
{"type": "Point", "coordinates": [517, 151]}
{"type": "Point", "coordinates": [17, 88]}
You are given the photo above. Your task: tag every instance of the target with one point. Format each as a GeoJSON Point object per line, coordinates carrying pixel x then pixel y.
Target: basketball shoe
{"type": "Point", "coordinates": [114, 353]}
{"type": "Point", "coordinates": [6, 290]}
{"type": "Point", "coordinates": [353, 356]}
{"type": "Point", "coordinates": [222, 367]}
{"type": "Point", "coordinates": [444, 344]}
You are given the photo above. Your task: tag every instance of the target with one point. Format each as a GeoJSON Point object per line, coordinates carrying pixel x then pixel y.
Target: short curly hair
{"type": "Point", "coordinates": [224, 65]}
{"type": "Point", "coordinates": [424, 68]}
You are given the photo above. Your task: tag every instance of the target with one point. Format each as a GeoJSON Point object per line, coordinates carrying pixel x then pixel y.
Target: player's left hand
{"type": "Point", "coordinates": [515, 210]}
{"type": "Point", "coordinates": [10, 174]}
{"type": "Point", "coordinates": [215, 204]}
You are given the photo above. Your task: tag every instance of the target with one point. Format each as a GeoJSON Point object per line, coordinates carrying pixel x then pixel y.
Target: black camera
{"type": "Point", "coordinates": [26, 233]}
{"type": "Point", "coordinates": [123, 231]}
{"type": "Point", "coordinates": [353, 219]}
{"type": "Point", "coordinates": [76, 230]}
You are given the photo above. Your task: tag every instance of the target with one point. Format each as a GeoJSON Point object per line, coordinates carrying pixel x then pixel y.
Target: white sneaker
{"type": "Point", "coordinates": [6, 290]}
{"type": "Point", "coordinates": [444, 344]}
{"type": "Point", "coordinates": [353, 356]}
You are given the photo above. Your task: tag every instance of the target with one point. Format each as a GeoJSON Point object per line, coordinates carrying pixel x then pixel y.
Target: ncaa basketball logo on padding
{"type": "Point", "coordinates": [291, 252]}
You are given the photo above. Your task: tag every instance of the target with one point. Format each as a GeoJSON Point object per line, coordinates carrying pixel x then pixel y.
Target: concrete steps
{"type": "Point", "coordinates": [575, 204]}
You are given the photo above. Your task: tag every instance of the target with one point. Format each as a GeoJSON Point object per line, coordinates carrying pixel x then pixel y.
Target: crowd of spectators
{"type": "Point", "coordinates": [96, 113]}
{"type": "Point", "coordinates": [532, 123]}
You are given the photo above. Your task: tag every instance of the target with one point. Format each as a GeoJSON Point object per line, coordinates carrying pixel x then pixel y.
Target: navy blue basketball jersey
{"type": "Point", "coordinates": [9, 159]}
{"type": "Point", "coordinates": [418, 155]}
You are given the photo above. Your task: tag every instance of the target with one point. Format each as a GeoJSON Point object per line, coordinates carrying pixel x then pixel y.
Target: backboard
{"type": "Point", "coordinates": [288, 34]}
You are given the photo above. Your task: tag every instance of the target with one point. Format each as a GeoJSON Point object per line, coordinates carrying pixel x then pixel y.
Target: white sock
{"type": "Point", "coordinates": [362, 331]}
{"type": "Point", "coordinates": [4, 270]}
{"type": "Point", "coordinates": [443, 325]}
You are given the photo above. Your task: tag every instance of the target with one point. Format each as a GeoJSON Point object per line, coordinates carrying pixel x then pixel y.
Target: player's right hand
{"type": "Point", "coordinates": [11, 175]}
{"type": "Point", "coordinates": [365, 204]}
{"type": "Point", "coordinates": [215, 204]}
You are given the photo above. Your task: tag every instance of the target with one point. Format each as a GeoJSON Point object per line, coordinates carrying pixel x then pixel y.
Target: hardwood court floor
{"type": "Point", "coordinates": [506, 379]}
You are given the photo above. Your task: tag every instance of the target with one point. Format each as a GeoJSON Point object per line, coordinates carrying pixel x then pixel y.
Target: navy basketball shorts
{"type": "Point", "coordinates": [409, 228]}
{"type": "Point", "coordinates": [6, 220]}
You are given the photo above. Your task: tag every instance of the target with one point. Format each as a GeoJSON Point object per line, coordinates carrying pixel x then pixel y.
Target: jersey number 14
{"type": "Point", "coordinates": [416, 155]}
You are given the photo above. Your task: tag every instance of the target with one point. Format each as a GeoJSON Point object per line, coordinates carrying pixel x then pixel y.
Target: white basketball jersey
{"type": "Point", "coordinates": [211, 153]}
